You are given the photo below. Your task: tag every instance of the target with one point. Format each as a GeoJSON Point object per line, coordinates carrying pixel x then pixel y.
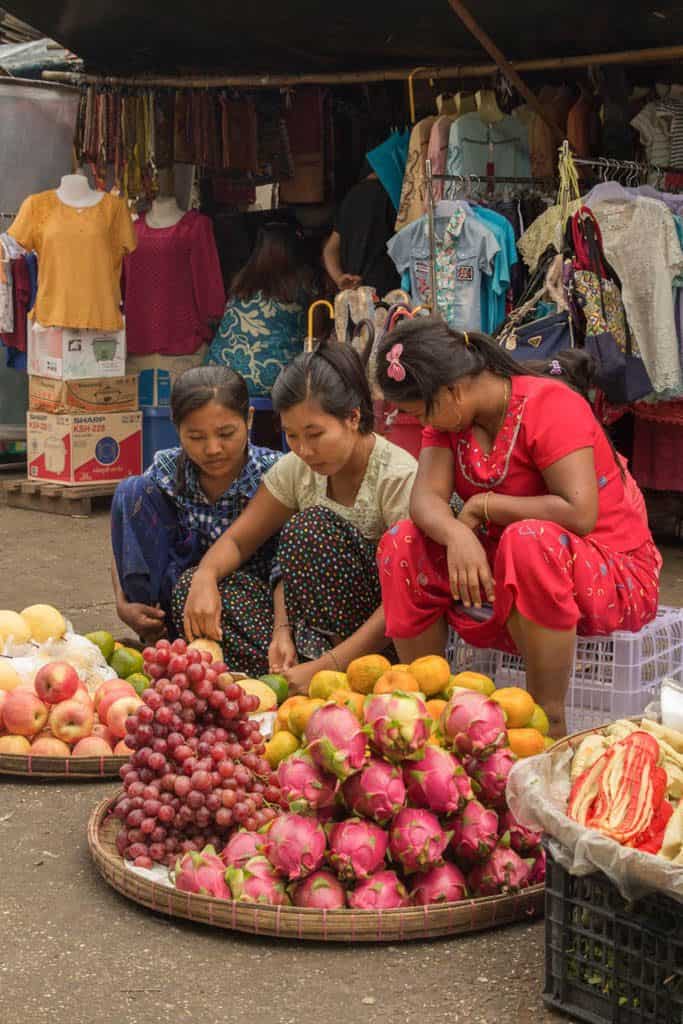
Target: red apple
{"type": "Point", "coordinates": [70, 721]}
{"type": "Point", "coordinates": [121, 750]}
{"type": "Point", "coordinates": [84, 698]}
{"type": "Point", "coordinates": [3, 698]}
{"type": "Point", "coordinates": [49, 746]}
{"type": "Point", "coordinates": [118, 713]}
{"type": "Point", "coordinates": [14, 745]}
{"type": "Point", "coordinates": [23, 713]}
{"type": "Point", "coordinates": [55, 682]}
{"type": "Point", "coordinates": [104, 688]}
{"type": "Point", "coordinates": [104, 734]}
{"type": "Point", "coordinates": [92, 746]}
{"type": "Point", "coordinates": [112, 695]}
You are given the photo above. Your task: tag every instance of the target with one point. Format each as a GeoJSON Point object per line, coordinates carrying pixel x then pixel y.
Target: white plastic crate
{"type": "Point", "coordinates": [612, 677]}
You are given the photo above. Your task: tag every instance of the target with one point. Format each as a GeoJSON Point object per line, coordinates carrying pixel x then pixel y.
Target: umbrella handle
{"type": "Point", "coordinates": [308, 344]}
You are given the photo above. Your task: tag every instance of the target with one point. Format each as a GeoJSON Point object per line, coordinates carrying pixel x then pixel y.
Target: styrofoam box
{"type": "Point", "coordinates": [62, 353]}
{"type": "Point", "coordinates": [612, 677]}
{"type": "Point", "coordinates": [84, 449]}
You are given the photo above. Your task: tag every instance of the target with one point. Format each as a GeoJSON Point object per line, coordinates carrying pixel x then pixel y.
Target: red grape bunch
{"type": "Point", "coordinates": [197, 769]}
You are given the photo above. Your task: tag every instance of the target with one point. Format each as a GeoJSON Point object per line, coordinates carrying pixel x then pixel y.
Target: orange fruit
{"type": "Point", "coordinates": [363, 673]}
{"type": "Point", "coordinates": [401, 668]}
{"type": "Point", "coordinates": [285, 708]}
{"type": "Point", "coordinates": [526, 742]}
{"type": "Point", "coordinates": [393, 680]}
{"type": "Point", "coordinates": [435, 707]}
{"type": "Point", "coordinates": [348, 699]}
{"type": "Point", "coordinates": [432, 673]}
{"type": "Point", "coordinates": [298, 717]}
{"type": "Point", "coordinates": [517, 704]}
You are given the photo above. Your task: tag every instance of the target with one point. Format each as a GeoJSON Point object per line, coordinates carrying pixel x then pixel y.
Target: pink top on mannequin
{"type": "Point", "coordinates": [173, 287]}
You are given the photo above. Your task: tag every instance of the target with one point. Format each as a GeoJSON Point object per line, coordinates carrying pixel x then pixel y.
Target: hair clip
{"type": "Point", "coordinates": [555, 368]}
{"type": "Point", "coordinates": [396, 370]}
{"type": "Point", "coordinates": [466, 339]}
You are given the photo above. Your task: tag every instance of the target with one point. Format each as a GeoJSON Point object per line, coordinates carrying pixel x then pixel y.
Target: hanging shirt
{"type": "Point", "coordinates": [464, 250]}
{"type": "Point", "coordinates": [6, 292]}
{"type": "Point", "coordinates": [473, 144]}
{"type": "Point", "coordinates": [80, 250]}
{"type": "Point", "coordinates": [437, 151]}
{"type": "Point", "coordinates": [173, 287]}
{"type": "Point", "coordinates": [495, 287]}
{"type": "Point", "coordinates": [388, 161]}
{"type": "Point", "coordinates": [413, 190]}
{"type": "Point", "coordinates": [640, 241]}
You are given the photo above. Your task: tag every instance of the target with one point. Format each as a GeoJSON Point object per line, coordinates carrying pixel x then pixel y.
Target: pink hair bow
{"type": "Point", "coordinates": [396, 370]}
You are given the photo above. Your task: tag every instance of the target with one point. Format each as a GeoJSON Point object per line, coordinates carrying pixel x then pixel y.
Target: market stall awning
{"type": "Point", "coordinates": [310, 36]}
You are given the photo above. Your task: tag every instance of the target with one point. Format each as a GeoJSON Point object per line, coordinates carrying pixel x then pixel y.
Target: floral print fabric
{"type": "Point", "coordinates": [257, 337]}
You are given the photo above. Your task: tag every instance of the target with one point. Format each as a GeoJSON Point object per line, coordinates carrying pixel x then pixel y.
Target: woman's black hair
{"type": "Point", "coordinates": [334, 376]}
{"type": "Point", "coordinates": [276, 268]}
{"type": "Point", "coordinates": [194, 389]}
{"type": "Point", "coordinates": [435, 355]}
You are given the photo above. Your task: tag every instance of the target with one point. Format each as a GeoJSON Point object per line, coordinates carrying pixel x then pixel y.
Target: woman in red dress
{"type": "Point", "coordinates": [553, 536]}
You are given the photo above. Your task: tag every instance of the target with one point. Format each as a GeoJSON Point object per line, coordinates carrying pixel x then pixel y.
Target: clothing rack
{"type": "Point", "coordinates": [488, 180]}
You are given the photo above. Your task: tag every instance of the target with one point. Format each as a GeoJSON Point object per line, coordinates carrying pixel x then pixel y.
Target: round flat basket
{"type": "Point", "coordinates": [430, 922]}
{"type": "Point", "coordinates": [75, 769]}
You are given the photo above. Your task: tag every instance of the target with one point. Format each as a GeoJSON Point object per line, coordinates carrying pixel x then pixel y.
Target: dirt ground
{"type": "Point", "coordinates": [72, 951]}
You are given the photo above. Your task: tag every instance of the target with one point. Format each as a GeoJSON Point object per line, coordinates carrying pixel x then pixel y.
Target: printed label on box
{"type": "Point", "coordinates": [84, 449]}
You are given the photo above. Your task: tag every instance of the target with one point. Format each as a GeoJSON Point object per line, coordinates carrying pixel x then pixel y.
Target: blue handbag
{"type": "Point", "coordinates": [542, 338]}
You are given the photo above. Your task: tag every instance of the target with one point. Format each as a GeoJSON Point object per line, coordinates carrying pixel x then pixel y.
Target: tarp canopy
{"type": "Point", "coordinates": [299, 36]}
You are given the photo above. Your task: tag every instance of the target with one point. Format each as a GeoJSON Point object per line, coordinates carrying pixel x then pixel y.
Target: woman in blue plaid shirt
{"type": "Point", "coordinates": [329, 499]}
{"type": "Point", "coordinates": [164, 521]}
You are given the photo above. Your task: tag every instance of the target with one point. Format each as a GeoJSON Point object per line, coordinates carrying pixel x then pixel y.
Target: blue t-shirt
{"type": "Point", "coordinates": [494, 288]}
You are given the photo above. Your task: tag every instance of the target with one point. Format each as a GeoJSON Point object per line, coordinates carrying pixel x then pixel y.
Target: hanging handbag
{"type": "Point", "coordinates": [595, 289]}
{"type": "Point", "coordinates": [542, 338]}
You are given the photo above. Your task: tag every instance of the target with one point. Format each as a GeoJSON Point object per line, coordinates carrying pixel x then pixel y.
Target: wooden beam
{"type": "Point", "coordinates": [513, 76]}
{"type": "Point", "coordinates": [656, 55]}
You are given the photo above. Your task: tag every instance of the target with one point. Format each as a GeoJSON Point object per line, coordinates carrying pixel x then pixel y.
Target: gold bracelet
{"type": "Point", "coordinates": [486, 506]}
{"type": "Point", "coordinates": [285, 625]}
{"type": "Point", "coordinates": [333, 658]}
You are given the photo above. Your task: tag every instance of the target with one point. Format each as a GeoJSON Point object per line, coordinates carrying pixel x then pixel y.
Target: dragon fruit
{"type": "Point", "coordinates": [537, 870]}
{"type": "Point", "coordinates": [523, 841]}
{"type": "Point", "coordinates": [295, 845]}
{"type": "Point", "coordinates": [491, 775]}
{"type": "Point", "coordinates": [306, 787]}
{"type": "Point", "coordinates": [202, 873]}
{"type": "Point", "coordinates": [443, 884]}
{"type": "Point", "coordinates": [257, 882]}
{"type": "Point", "coordinates": [503, 871]}
{"type": "Point", "coordinates": [475, 833]}
{"type": "Point", "coordinates": [357, 849]}
{"type": "Point", "coordinates": [381, 891]}
{"type": "Point", "coordinates": [240, 847]}
{"type": "Point", "coordinates": [416, 840]}
{"type": "Point", "coordinates": [400, 724]}
{"type": "Point", "coordinates": [473, 724]}
{"type": "Point", "coordinates": [321, 891]}
{"type": "Point", "coordinates": [437, 781]}
{"type": "Point", "coordinates": [336, 741]}
{"type": "Point", "coordinates": [376, 791]}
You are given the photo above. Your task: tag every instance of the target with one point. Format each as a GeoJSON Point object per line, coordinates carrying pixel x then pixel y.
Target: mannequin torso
{"type": "Point", "coordinates": [75, 191]}
{"type": "Point", "coordinates": [165, 213]}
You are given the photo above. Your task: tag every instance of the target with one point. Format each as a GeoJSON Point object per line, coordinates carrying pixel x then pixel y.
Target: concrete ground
{"type": "Point", "coordinates": [72, 951]}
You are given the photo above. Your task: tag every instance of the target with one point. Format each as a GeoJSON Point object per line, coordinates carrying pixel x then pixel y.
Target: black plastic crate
{"type": "Point", "coordinates": [607, 960]}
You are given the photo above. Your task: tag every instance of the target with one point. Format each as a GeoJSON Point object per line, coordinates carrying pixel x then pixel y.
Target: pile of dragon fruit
{"type": "Point", "coordinates": [379, 816]}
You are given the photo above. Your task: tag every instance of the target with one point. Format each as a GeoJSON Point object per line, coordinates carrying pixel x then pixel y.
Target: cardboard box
{"type": "Point", "coordinates": [84, 449]}
{"type": "Point", "coordinates": [157, 373]}
{"type": "Point", "coordinates": [65, 354]}
{"type": "Point", "coordinates": [103, 394]}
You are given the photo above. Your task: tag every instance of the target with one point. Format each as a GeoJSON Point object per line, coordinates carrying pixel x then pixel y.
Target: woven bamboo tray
{"type": "Point", "coordinates": [76, 769]}
{"type": "Point", "coordinates": [430, 922]}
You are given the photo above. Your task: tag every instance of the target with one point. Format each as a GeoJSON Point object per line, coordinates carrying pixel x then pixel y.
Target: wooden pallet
{"type": "Point", "coordinates": [60, 499]}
